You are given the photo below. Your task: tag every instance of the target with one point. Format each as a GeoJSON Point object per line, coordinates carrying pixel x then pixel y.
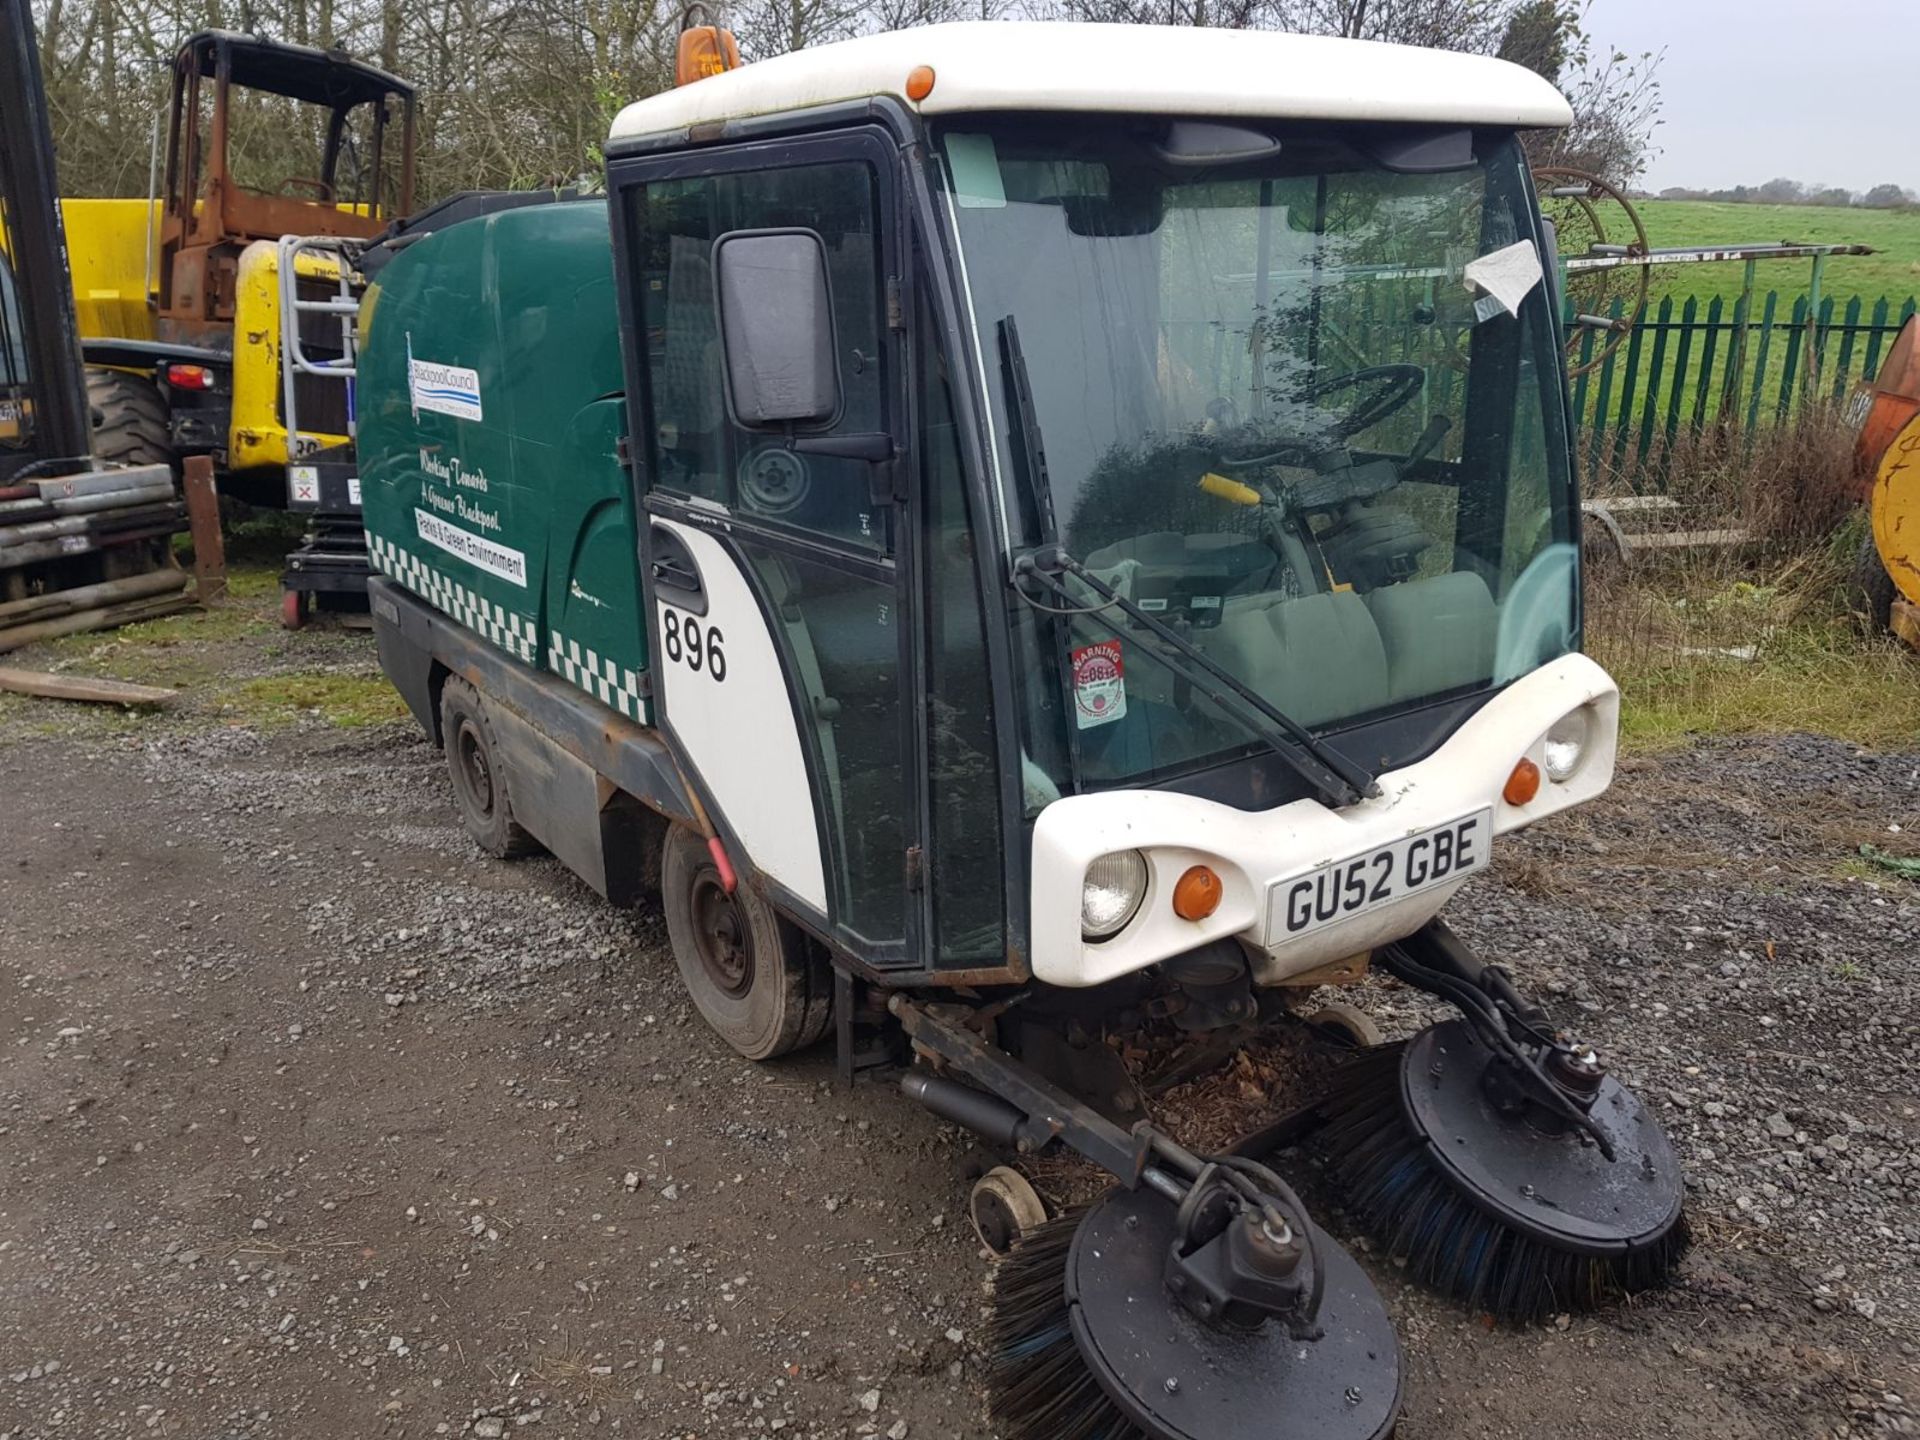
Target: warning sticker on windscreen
{"type": "Point", "coordinates": [1099, 684]}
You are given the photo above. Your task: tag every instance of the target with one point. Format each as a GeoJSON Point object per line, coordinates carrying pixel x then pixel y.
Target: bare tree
{"type": "Point", "coordinates": [520, 92]}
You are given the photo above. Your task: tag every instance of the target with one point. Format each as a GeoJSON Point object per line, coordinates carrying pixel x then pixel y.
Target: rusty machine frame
{"type": "Point", "coordinates": [208, 217]}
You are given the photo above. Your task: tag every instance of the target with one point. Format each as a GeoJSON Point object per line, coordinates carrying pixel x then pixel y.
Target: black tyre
{"type": "Point", "coordinates": [1870, 589]}
{"type": "Point", "coordinates": [479, 780]}
{"type": "Point", "coordinates": [752, 976]}
{"type": "Point", "coordinates": [129, 420]}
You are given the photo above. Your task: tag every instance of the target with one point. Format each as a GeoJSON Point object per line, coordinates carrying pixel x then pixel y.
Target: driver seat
{"type": "Point", "coordinates": [1316, 657]}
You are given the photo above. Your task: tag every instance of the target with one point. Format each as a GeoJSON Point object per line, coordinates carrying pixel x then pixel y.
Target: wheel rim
{"type": "Point", "coordinates": [994, 1223]}
{"type": "Point", "coordinates": [476, 776]}
{"type": "Point", "coordinates": [720, 935]}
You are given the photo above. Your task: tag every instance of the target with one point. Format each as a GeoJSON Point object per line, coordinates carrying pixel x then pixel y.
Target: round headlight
{"type": "Point", "coordinates": [1112, 892]}
{"type": "Point", "coordinates": [1566, 744]}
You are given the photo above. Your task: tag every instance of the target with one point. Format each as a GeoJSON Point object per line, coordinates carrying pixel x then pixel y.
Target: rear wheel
{"type": "Point", "coordinates": [752, 976]}
{"type": "Point", "coordinates": [130, 419]}
{"type": "Point", "coordinates": [479, 780]}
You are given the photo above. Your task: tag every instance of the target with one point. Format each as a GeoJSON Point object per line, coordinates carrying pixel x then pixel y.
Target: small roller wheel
{"type": "Point", "coordinates": [1345, 1025]}
{"type": "Point", "coordinates": [1003, 1207]}
{"type": "Point", "coordinates": [293, 609]}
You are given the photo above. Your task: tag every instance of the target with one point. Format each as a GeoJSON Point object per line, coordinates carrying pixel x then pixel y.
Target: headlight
{"type": "Point", "coordinates": [1566, 744]}
{"type": "Point", "coordinates": [1112, 892]}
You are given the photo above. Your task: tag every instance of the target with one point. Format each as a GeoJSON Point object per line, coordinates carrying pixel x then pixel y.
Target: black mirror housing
{"type": "Point", "coordinates": [778, 348]}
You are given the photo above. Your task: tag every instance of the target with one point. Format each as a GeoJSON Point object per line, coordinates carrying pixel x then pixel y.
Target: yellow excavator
{"type": "Point", "coordinates": [178, 296]}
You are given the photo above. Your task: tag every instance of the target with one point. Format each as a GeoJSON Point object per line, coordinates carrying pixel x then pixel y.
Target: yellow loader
{"type": "Point", "coordinates": [178, 296]}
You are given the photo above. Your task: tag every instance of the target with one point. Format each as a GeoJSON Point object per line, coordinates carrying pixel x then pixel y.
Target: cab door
{"type": "Point", "coordinates": [780, 634]}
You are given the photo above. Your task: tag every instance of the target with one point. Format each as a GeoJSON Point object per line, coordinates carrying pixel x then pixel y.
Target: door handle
{"type": "Point", "coordinates": [675, 571]}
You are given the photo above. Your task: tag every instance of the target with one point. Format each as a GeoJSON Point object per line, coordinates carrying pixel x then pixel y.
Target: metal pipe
{"type": "Point", "coordinates": [986, 1115]}
{"type": "Point", "coordinates": [153, 191]}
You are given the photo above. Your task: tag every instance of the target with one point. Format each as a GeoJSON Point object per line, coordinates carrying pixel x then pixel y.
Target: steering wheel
{"type": "Point", "coordinates": [1386, 389]}
{"type": "Point", "coordinates": [322, 191]}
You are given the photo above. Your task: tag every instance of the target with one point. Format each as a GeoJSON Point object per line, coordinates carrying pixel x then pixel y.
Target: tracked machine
{"type": "Point", "coordinates": [1010, 533]}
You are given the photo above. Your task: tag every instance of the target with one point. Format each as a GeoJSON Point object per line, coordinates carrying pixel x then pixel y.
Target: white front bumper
{"type": "Point", "coordinates": [1252, 851]}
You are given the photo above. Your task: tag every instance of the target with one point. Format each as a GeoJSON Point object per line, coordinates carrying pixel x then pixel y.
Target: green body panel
{"type": "Point", "coordinates": [491, 411]}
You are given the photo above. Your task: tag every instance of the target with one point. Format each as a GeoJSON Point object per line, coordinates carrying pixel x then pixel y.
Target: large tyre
{"type": "Point", "coordinates": [129, 419]}
{"type": "Point", "coordinates": [1870, 589]}
{"type": "Point", "coordinates": [479, 780]}
{"type": "Point", "coordinates": [752, 976]}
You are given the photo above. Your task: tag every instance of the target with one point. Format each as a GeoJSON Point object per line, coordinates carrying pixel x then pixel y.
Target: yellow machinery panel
{"type": "Point", "coordinates": [108, 248]}
{"type": "Point", "coordinates": [258, 435]}
{"type": "Point", "coordinates": [1895, 507]}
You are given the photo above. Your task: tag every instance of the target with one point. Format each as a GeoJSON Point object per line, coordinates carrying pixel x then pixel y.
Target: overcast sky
{"type": "Point", "coordinates": [1815, 90]}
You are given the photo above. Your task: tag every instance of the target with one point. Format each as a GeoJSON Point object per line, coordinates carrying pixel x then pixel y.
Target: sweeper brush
{"type": "Point", "coordinates": [1093, 1341]}
{"type": "Point", "coordinates": [1494, 1213]}
{"type": "Point", "coordinates": [1500, 1163]}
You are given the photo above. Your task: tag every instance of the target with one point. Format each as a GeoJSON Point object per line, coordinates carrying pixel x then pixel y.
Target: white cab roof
{"type": "Point", "coordinates": [1151, 69]}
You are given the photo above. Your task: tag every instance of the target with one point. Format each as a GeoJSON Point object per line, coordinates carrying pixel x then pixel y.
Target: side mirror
{"type": "Point", "coordinates": [776, 329]}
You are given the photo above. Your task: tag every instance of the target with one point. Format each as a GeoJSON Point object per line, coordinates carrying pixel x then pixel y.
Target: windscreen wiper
{"type": "Point", "coordinates": [1339, 781]}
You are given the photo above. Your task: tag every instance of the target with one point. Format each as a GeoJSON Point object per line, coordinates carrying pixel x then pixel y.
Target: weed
{"type": "Point", "coordinates": [1759, 637]}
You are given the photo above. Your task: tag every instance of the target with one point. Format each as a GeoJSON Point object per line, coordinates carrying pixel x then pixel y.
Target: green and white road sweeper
{"type": "Point", "coordinates": [1013, 532]}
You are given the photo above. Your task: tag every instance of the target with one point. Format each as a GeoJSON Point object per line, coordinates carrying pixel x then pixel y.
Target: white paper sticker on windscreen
{"type": "Point", "coordinates": [1505, 276]}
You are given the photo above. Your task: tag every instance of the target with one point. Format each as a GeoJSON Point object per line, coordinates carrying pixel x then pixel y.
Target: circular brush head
{"type": "Point", "coordinates": [1488, 1209]}
{"type": "Point", "coordinates": [1089, 1345]}
{"type": "Point", "coordinates": [1041, 1389]}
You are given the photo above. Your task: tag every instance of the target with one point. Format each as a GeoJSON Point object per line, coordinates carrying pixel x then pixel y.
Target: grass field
{"type": "Point", "coordinates": [1894, 272]}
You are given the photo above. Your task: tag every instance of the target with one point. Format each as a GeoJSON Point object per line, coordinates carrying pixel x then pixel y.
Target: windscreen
{"type": "Point", "coordinates": [1294, 393]}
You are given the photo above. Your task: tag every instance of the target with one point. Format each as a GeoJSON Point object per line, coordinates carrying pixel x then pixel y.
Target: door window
{"type": "Point", "coordinates": [696, 451]}
{"type": "Point", "coordinates": [963, 795]}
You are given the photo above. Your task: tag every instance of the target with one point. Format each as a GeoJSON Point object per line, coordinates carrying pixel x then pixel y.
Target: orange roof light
{"type": "Point", "coordinates": [1196, 894]}
{"type": "Point", "coordinates": [919, 83]}
{"type": "Point", "coordinates": [1523, 784]}
{"type": "Point", "coordinates": [704, 50]}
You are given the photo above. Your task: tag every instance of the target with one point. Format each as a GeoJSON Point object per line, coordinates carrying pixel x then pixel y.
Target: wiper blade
{"type": "Point", "coordinates": [1338, 779]}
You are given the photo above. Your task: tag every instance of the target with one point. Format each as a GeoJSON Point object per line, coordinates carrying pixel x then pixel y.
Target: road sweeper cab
{"type": "Point", "coordinates": [1032, 529]}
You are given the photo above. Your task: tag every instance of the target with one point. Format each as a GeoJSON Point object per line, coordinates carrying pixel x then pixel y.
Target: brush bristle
{"type": "Point", "coordinates": [1449, 1244]}
{"type": "Point", "coordinates": [1040, 1387]}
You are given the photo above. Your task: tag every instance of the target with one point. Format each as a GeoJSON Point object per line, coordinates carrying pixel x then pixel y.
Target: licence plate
{"type": "Point", "coordinates": [1341, 889]}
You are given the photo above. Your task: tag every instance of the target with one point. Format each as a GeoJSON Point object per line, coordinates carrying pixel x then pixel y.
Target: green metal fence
{"type": "Point", "coordinates": [1754, 360]}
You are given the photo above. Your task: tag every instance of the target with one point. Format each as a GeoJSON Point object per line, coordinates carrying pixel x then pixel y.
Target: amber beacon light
{"type": "Point", "coordinates": [919, 83]}
{"type": "Point", "coordinates": [704, 50]}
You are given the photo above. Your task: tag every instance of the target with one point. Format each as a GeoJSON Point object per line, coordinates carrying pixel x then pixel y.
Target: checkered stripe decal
{"type": "Point", "coordinates": [608, 681]}
{"type": "Point", "coordinates": [510, 632]}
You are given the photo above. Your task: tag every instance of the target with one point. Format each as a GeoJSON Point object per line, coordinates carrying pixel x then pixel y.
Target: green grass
{"type": "Point", "coordinates": [345, 700]}
{"type": "Point", "coordinates": [1894, 272]}
{"type": "Point", "coordinates": [197, 652]}
{"type": "Point", "coordinates": [1678, 657]}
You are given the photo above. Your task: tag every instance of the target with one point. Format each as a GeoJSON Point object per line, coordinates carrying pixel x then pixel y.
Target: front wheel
{"type": "Point", "coordinates": [751, 975]}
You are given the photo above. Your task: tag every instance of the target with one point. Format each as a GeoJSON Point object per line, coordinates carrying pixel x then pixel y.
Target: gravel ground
{"type": "Point", "coordinates": [312, 1122]}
